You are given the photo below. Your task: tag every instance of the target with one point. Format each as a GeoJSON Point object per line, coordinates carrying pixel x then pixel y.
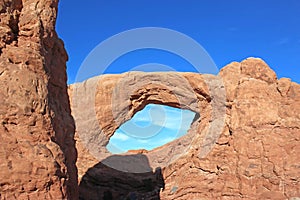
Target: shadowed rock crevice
{"type": "Point", "coordinates": [14, 19]}
{"type": "Point", "coordinates": [136, 180]}
{"type": "Point", "coordinates": [11, 11]}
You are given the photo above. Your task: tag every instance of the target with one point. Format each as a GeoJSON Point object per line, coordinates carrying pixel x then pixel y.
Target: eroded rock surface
{"type": "Point", "coordinates": [254, 155]}
{"type": "Point", "coordinates": [37, 150]}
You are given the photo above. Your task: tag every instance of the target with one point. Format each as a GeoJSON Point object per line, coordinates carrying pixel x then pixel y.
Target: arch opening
{"type": "Point", "coordinates": [152, 127]}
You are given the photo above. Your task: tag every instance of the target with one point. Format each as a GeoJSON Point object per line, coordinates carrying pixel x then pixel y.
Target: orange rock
{"type": "Point", "coordinates": [254, 156]}
{"type": "Point", "coordinates": [37, 148]}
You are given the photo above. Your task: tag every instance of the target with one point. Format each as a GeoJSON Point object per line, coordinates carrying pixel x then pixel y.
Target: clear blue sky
{"type": "Point", "coordinates": [229, 30]}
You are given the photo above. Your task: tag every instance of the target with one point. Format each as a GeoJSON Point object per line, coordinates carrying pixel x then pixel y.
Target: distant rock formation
{"type": "Point", "coordinates": [244, 144]}
{"type": "Point", "coordinates": [37, 148]}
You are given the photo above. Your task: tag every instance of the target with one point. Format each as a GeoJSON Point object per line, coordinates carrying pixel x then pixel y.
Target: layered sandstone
{"type": "Point", "coordinates": [244, 144]}
{"type": "Point", "coordinates": [37, 151]}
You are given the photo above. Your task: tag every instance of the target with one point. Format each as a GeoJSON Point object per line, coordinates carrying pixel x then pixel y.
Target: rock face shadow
{"type": "Point", "coordinates": [122, 177]}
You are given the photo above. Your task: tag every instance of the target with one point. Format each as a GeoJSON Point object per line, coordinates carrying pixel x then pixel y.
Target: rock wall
{"type": "Point", "coordinates": [37, 150]}
{"type": "Point", "coordinates": [243, 145]}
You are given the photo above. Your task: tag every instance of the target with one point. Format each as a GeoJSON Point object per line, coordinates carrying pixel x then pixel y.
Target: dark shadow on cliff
{"type": "Point", "coordinates": [127, 177]}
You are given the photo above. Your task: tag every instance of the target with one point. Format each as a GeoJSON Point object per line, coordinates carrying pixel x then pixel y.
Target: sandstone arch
{"type": "Point", "coordinates": [244, 163]}
{"type": "Point", "coordinates": [118, 97]}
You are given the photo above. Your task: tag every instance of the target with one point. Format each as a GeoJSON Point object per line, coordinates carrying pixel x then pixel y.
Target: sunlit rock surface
{"type": "Point", "coordinates": [37, 148]}
{"type": "Point", "coordinates": [244, 145]}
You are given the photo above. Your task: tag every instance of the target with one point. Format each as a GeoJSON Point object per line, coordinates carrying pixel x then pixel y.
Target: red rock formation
{"type": "Point", "coordinates": [244, 145]}
{"type": "Point", "coordinates": [256, 151]}
{"type": "Point", "coordinates": [37, 152]}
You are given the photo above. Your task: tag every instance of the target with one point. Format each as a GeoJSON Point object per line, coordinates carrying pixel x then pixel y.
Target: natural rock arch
{"type": "Point", "coordinates": [244, 156]}
{"type": "Point", "coordinates": [118, 97]}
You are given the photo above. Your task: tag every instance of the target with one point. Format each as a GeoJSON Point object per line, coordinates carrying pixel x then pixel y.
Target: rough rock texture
{"type": "Point", "coordinates": [37, 150]}
{"type": "Point", "coordinates": [249, 150]}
